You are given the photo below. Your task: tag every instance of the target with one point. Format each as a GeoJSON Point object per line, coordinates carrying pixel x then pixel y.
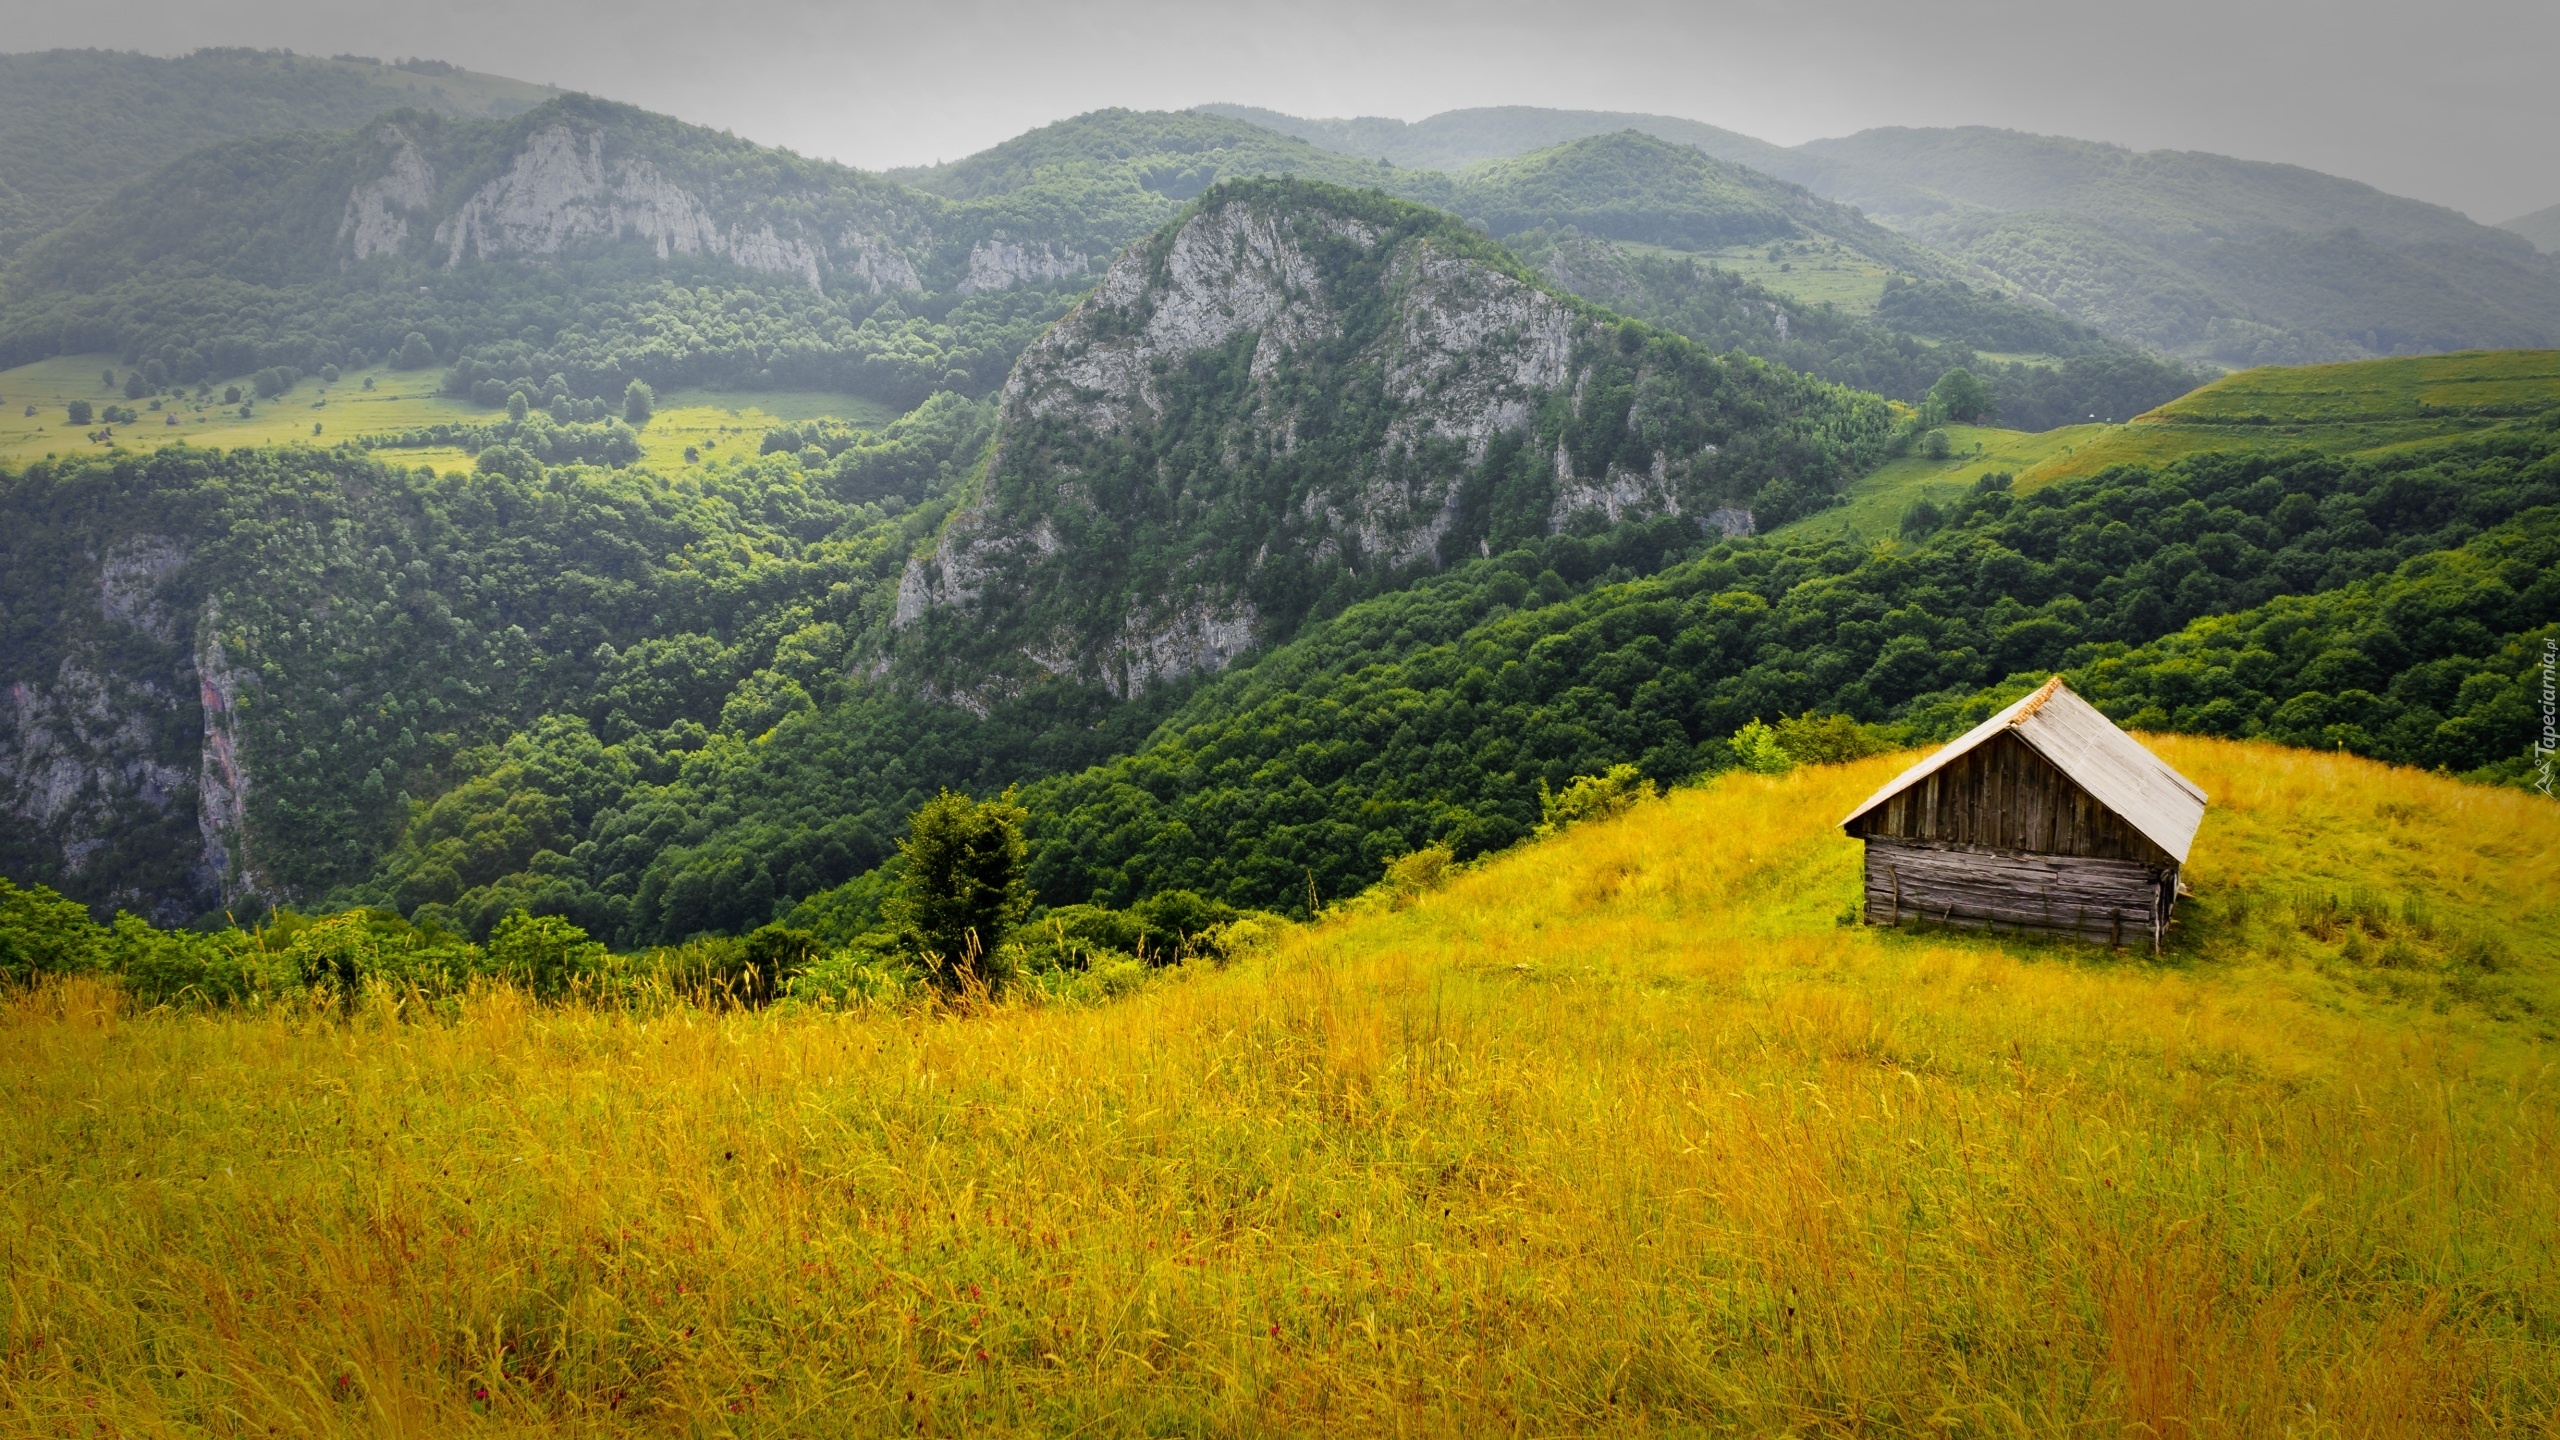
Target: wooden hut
{"type": "Point", "coordinates": [2045, 817]}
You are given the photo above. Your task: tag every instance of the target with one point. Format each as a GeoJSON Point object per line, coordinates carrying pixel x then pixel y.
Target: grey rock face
{"type": "Point", "coordinates": [1466, 354]}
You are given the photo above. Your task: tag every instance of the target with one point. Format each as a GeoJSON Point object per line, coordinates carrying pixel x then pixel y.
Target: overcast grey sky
{"type": "Point", "coordinates": [2453, 102]}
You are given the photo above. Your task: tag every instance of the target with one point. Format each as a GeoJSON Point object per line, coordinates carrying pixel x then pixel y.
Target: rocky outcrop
{"type": "Point", "coordinates": [1002, 264]}
{"type": "Point", "coordinates": [1255, 329]}
{"type": "Point", "coordinates": [94, 748]}
{"type": "Point", "coordinates": [377, 215]}
{"type": "Point", "coordinates": [574, 182]}
{"type": "Point", "coordinates": [222, 781]}
{"type": "Point", "coordinates": [1295, 394]}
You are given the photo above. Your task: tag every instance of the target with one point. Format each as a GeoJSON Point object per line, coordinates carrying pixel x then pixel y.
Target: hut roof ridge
{"type": "Point", "coordinates": [2087, 747]}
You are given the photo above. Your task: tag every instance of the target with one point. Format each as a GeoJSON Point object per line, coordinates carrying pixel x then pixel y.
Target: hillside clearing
{"type": "Point", "coordinates": [1872, 505]}
{"type": "Point", "coordinates": [346, 410]}
{"type": "Point", "coordinates": [1621, 1131]}
{"type": "Point", "coordinates": [2355, 408]}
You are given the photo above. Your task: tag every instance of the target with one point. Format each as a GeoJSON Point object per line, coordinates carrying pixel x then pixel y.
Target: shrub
{"type": "Point", "coordinates": [1614, 791]}
{"type": "Point", "coordinates": [1811, 739]}
{"type": "Point", "coordinates": [41, 933]}
{"type": "Point", "coordinates": [1410, 877]}
{"type": "Point", "coordinates": [638, 402]}
{"type": "Point", "coordinates": [78, 412]}
{"type": "Point", "coordinates": [544, 953]}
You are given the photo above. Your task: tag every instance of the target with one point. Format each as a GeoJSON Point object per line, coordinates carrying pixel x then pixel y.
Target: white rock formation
{"type": "Point", "coordinates": [1001, 264]}
{"type": "Point", "coordinates": [566, 188]}
{"type": "Point", "coordinates": [377, 215]}
{"type": "Point", "coordinates": [1467, 353]}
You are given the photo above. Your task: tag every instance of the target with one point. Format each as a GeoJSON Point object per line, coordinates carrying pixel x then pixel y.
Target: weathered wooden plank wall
{"type": "Point", "coordinates": [2003, 795]}
{"type": "Point", "coordinates": [2102, 899]}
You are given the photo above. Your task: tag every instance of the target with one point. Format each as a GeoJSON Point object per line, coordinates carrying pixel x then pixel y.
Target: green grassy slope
{"type": "Point", "coordinates": [1873, 506]}
{"type": "Point", "coordinates": [77, 124]}
{"type": "Point", "coordinates": [1621, 1133]}
{"type": "Point", "coordinates": [2359, 407]}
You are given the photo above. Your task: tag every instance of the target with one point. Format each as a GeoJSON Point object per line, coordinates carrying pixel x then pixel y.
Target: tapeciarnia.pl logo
{"type": "Point", "coordinates": [2549, 740]}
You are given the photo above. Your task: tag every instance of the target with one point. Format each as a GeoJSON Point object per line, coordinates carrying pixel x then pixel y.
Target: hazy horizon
{"type": "Point", "coordinates": [2456, 113]}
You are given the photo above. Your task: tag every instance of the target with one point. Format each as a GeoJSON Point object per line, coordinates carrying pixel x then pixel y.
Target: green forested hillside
{"type": "Point", "coordinates": [77, 124]}
{"type": "Point", "coordinates": [1439, 713]}
{"type": "Point", "coordinates": [1436, 713]}
{"type": "Point", "coordinates": [1137, 167]}
{"type": "Point", "coordinates": [1920, 330]}
{"type": "Point", "coordinates": [297, 251]}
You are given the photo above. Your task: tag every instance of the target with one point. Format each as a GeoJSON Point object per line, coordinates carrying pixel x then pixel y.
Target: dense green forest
{"type": "Point", "coordinates": [2391, 608]}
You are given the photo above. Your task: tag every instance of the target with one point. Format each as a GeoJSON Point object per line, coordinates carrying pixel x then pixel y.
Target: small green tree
{"type": "Point", "coordinates": [415, 353]}
{"type": "Point", "coordinates": [639, 402]}
{"type": "Point", "coordinates": [518, 407]}
{"type": "Point", "coordinates": [1964, 397]}
{"type": "Point", "coordinates": [963, 888]}
{"type": "Point", "coordinates": [79, 412]}
{"type": "Point", "coordinates": [1755, 748]}
{"type": "Point", "coordinates": [1934, 445]}
{"type": "Point", "coordinates": [135, 387]}
{"type": "Point", "coordinates": [544, 953]}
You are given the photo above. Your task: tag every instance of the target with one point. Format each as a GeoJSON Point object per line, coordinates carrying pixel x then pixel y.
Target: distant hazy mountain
{"type": "Point", "coordinates": [2542, 227]}
{"type": "Point", "coordinates": [2234, 261]}
{"type": "Point", "coordinates": [77, 124]}
{"type": "Point", "coordinates": [1455, 139]}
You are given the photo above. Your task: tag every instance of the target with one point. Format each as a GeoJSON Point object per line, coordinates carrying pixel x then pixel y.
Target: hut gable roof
{"type": "Point", "coordinates": [2086, 746]}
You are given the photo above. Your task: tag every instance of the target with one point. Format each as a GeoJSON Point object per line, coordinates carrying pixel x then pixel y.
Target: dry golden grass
{"type": "Point", "coordinates": [1617, 1133]}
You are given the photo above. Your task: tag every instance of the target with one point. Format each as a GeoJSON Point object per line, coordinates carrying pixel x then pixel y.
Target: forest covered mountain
{"type": "Point", "coordinates": [77, 124]}
{"type": "Point", "coordinates": [599, 244]}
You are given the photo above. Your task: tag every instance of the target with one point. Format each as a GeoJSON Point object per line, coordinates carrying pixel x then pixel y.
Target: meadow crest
{"type": "Point", "coordinates": [1620, 1132]}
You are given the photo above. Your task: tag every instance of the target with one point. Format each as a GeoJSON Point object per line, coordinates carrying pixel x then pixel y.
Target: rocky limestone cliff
{"type": "Point", "coordinates": [1292, 395]}
{"type": "Point", "coordinates": [574, 182]}
{"type": "Point", "coordinates": [130, 734]}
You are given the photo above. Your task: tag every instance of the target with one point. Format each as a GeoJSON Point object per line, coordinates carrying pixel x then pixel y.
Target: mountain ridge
{"type": "Point", "coordinates": [77, 124]}
{"type": "Point", "coordinates": [2193, 253]}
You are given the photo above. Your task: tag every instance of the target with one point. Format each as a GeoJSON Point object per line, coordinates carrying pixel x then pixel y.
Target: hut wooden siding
{"type": "Point", "coordinates": [2045, 818]}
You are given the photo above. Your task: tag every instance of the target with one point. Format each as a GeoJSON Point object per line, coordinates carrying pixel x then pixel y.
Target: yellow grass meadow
{"type": "Point", "coordinates": [1620, 1133]}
